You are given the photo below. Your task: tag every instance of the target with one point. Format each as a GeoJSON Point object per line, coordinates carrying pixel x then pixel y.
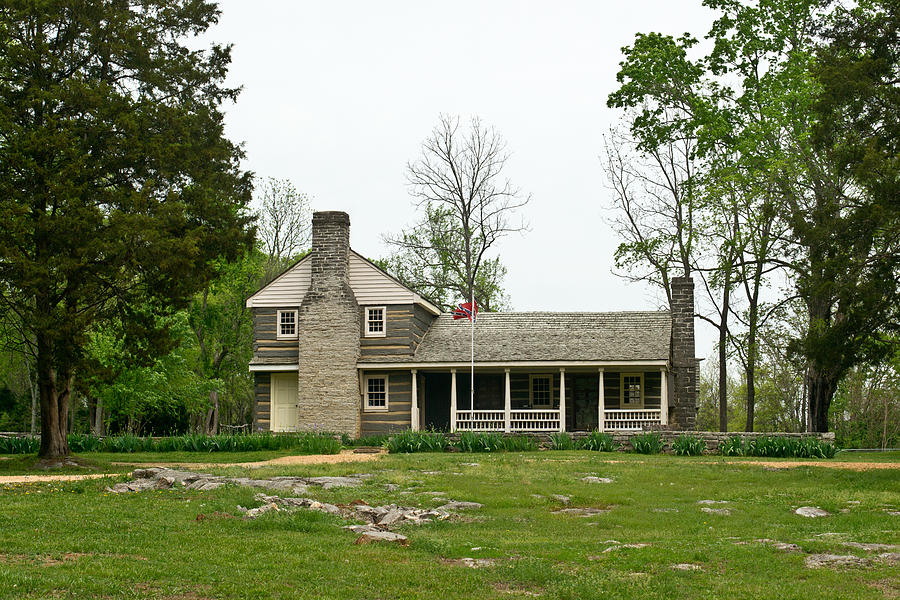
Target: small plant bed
{"type": "Point", "coordinates": [777, 447]}
{"type": "Point", "coordinates": [300, 443]}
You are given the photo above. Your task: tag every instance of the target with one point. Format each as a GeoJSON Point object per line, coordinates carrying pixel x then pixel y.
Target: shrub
{"type": "Point", "coordinates": [688, 445]}
{"type": "Point", "coordinates": [813, 448]}
{"type": "Point", "coordinates": [19, 445]}
{"type": "Point", "coordinates": [772, 447]}
{"type": "Point", "coordinates": [599, 441]}
{"type": "Point", "coordinates": [647, 443]}
{"type": "Point", "coordinates": [520, 443]}
{"type": "Point", "coordinates": [369, 440]}
{"type": "Point", "coordinates": [417, 441]}
{"type": "Point", "coordinates": [733, 446]}
{"type": "Point", "coordinates": [79, 442]}
{"type": "Point", "coordinates": [471, 441]}
{"type": "Point", "coordinates": [318, 443]}
{"type": "Point", "coordinates": [561, 440]}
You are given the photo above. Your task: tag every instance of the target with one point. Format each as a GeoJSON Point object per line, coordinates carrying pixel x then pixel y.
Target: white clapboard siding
{"type": "Point", "coordinates": [370, 286]}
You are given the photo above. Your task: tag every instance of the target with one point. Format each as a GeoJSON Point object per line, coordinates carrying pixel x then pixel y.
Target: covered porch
{"type": "Point", "coordinates": [519, 399]}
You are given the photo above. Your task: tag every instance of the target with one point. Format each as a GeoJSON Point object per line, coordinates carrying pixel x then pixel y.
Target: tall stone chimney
{"type": "Point", "coordinates": [328, 328]}
{"type": "Point", "coordinates": [685, 365]}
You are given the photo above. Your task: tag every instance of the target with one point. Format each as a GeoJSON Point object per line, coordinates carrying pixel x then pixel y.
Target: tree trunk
{"type": "Point", "coordinates": [821, 388]}
{"type": "Point", "coordinates": [723, 359]}
{"type": "Point", "coordinates": [212, 418]}
{"type": "Point", "coordinates": [54, 403]}
{"type": "Point", "coordinates": [751, 363]}
{"type": "Point", "coordinates": [97, 425]}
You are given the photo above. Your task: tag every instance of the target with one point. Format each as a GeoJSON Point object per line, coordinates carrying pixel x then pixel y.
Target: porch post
{"type": "Point", "coordinates": [507, 403]}
{"type": "Point", "coordinates": [414, 403]}
{"type": "Point", "coordinates": [452, 400]}
{"type": "Point", "coordinates": [601, 404]}
{"type": "Point", "coordinates": [663, 397]}
{"type": "Point", "coordinates": [562, 399]}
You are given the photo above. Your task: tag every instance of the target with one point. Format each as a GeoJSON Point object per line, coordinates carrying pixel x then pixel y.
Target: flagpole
{"type": "Point", "coordinates": [474, 313]}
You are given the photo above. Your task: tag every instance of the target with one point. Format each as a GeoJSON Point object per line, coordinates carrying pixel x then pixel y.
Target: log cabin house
{"type": "Point", "coordinates": [341, 346]}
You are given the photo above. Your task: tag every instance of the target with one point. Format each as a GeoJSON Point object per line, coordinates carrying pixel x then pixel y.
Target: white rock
{"type": "Point", "coordinates": [817, 561]}
{"type": "Point", "coordinates": [381, 536]}
{"type": "Point", "coordinates": [811, 512]}
{"type": "Point", "coordinates": [716, 511]}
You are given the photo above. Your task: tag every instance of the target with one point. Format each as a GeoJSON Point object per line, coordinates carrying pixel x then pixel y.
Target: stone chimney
{"type": "Point", "coordinates": [685, 366]}
{"type": "Point", "coordinates": [328, 328]}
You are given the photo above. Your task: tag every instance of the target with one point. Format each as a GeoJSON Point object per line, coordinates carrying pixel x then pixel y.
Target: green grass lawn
{"type": "Point", "coordinates": [75, 540]}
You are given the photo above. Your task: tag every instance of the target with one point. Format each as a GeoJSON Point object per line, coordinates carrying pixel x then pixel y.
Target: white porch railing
{"type": "Point", "coordinates": [480, 420]}
{"type": "Point", "coordinates": [520, 420]}
{"type": "Point", "coordinates": [534, 419]}
{"type": "Point", "coordinates": [631, 419]}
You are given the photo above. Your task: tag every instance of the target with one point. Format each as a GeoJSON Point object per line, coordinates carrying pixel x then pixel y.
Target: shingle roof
{"type": "Point", "coordinates": [540, 336]}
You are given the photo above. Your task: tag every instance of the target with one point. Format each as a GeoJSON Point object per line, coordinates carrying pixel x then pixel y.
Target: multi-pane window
{"type": "Point", "coordinates": [632, 390]}
{"type": "Point", "coordinates": [376, 393]}
{"type": "Point", "coordinates": [375, 321]}
{"type": "Point", "coordinates": [541, 390]}
{"type": "Point", "coordinates": [287, 323]}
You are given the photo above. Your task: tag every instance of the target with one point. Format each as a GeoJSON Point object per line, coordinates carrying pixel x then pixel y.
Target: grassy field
{"type": "Point", "coordinates": [75, 540]}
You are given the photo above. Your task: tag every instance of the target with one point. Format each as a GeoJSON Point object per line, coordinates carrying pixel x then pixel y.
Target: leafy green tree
{"type": "Point", "coordinates": [223, 336]}
{"type": "Point", "coordinates": [118, 188]}
{"type": "Point", "coordinates": [763, 101]}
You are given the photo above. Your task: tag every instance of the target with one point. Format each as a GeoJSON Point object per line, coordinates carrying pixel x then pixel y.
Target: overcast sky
{"type": "Point", "coordinates": [338, 97]}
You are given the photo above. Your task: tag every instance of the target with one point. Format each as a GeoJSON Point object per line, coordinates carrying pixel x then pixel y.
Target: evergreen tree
{"type": "Point", "coordinates": [118, 189]}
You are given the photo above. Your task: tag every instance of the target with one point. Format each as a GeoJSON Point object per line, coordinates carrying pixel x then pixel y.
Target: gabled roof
{"type": "Point", "coordinates": [370, 285]}
{"type": "Point", "coordinates": [546, 336]}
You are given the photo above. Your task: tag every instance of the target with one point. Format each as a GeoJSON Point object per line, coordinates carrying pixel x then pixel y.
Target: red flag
{"type": "Point", "coordinates": [466, 310]}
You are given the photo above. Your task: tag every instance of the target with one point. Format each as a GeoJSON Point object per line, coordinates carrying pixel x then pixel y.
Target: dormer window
{"type": "Point", "coordinates": [375, 321]}
{"type": "Point", "coordinates": [286, 324]}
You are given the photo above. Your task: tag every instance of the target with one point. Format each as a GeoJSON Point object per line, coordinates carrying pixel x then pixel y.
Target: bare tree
{"type": "Point", "coordinates": [283, 223]}
{"type": "Point", "coordinates": [667, 224]}
{"type": "Point", "coordinates": [466, 205]}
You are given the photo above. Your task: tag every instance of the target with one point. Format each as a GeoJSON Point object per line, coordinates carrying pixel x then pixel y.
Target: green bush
{"type": "Point", "coordinates": [561, 440]}
{"type": "Point", "coordinates": [772, 447]}
{"type": "Point", "coordinates": [19, 445]}
{"type": "Point", "coordinates": [369, 440]}
{"type": "Point", "coordinates": [302, 443]}
{"type": "Point", "coordinates": [688, 445]}
{"type": "Point", "coordinates": [733, 446]}
{"type": "Point", "coordinates": [417, 441]}
{"type": "Point", "coordinates": [471, 441]}
{"type": "Point", "coordinates": [813, 448]}
{"type": "Point", "coordinates": [520, 443]}
{"type": "Point", "coordinates": [647, 443]}
{"type": "Point", "coordinates": [598, 441]}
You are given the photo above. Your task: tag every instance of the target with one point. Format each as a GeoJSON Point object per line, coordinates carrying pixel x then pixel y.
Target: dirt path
{"type": "Point", "coordinates": [345, 456]}
{"type": "Point", "coordinates": [850, 466]}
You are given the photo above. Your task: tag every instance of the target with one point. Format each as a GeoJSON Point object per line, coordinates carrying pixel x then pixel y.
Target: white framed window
{"type": "Point", "coordinates": [541, 390]}
{"type": "Point", "coordinates": [376, 322]}
{"type": "Point", "coordinates": [286, 324]}
{"type": "Point", "coordinates": [376, 393]}
{"type": "Point", "coordinates": [631, 394]}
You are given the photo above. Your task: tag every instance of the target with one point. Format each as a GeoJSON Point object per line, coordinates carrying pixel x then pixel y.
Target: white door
{"type": "Point", "coordinates": [284, 402]}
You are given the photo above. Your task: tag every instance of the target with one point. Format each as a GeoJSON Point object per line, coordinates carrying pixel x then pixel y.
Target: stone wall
{"type": "Point", "coordinates": [328, 326]}
{"type": "Point", "coordinates": [685, 366]}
